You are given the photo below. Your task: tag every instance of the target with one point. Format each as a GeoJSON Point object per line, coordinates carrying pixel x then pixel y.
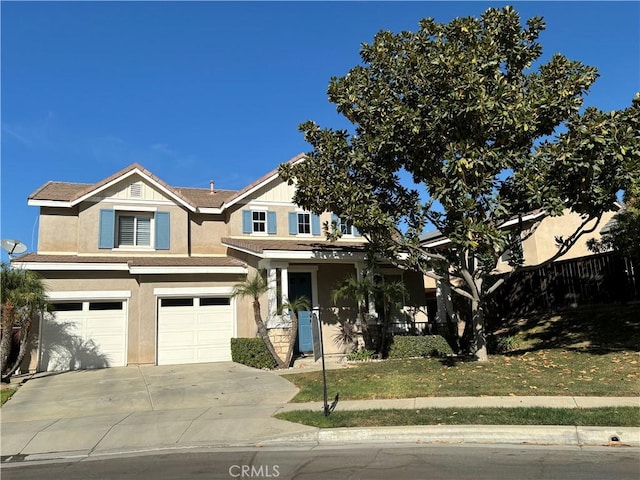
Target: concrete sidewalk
{"type": "Point", "coordinates": [471, 402]}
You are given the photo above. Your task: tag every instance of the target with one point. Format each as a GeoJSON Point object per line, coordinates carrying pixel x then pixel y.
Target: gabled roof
{"type": "Point", "coordinates": [262, 181]}
{"type": "Point", "coordinates": [67, 194]}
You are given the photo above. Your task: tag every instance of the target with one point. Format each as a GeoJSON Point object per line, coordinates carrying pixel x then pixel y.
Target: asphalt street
{"type": "Point", "coordinates": [366, 462]}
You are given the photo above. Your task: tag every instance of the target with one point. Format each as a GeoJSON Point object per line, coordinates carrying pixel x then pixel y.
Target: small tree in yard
{"type": "Point", "coordinates": [453, 128]}
{"type": "Point", "coordinates": [23, 298]}
{"type": "Point", "coordinates": [254, 287]}
{"type": "Point", "coordinates": [358, 290]}
{"type": "Point", "coordinates": [388, 295]}
{"type": "Point", "coordinates": [385, 296]}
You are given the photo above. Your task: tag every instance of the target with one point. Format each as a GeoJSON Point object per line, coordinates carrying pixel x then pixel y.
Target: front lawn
{"type": "Point", "coordinates": [543, 372]}
{"type": "Point", "coordinates": [5, 394]}
{"type": "Point", "coordinates": [607, 416]}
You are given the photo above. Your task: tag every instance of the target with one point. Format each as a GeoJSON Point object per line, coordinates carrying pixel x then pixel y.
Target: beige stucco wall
{"type": "Point", "coordinates": [89, 226]}
{"type": "Point", "coordinates": [541, 246]}
{"type": "Point", "coordinates": [282, 219]}
{"type": "Point", "coordinates": [58, 230]}
{"type": "Point", "coordinates": [206, 234]}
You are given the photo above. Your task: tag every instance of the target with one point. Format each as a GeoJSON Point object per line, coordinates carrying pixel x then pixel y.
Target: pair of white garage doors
{"type": "Point", "coordinates": [93, 333]}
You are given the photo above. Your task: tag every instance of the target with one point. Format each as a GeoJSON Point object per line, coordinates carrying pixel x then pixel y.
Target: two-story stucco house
{"type": "Point", "coordinates": [142, 272]}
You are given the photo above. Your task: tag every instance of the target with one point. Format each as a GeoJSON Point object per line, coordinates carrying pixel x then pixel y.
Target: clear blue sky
{"type": "Point", "coordinates": [215, 90]}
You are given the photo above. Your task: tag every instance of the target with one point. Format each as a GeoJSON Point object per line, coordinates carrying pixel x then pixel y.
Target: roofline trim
{"type": "Point", "coordinates": [133, 171]}
{"type": "Point", "coordinates": [159, 270]}
{"type": "Point", "coordinates": [268, 178]}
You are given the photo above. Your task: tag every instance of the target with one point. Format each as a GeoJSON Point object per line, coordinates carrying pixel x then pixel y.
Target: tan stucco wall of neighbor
{"type": "Point", "coordinates": [58, 230]}
{"type": "Point", "coordinates": [541, 245]}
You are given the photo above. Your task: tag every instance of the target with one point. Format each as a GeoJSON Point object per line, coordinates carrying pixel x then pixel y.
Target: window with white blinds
{"type": "Point", "coordinates": [134, 230]}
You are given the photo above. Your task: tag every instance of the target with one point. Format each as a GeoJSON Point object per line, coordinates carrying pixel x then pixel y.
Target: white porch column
{"type": "Point", "coordinates": [284, 282]}
{"type": "Point", "coordinates": [272, 300]}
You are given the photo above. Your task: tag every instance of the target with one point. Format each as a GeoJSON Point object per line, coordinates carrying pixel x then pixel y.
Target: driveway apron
{"type": "Point", "coordinates": [142, 407]}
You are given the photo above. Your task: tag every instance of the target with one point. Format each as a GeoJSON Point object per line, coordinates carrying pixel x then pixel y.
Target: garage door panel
{"type": "Point", "coordinates": [194, 334]}
{"type": "Point", "coordinates": [83, 339]}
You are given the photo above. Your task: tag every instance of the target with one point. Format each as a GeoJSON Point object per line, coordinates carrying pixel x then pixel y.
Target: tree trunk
{"type": "Point", "coordinates": [293, 334]}
{"type": "Point", "coordinates": [264, 334]}
{"type": "Point", "coordinates": [479, 341]}
{"type": "Point", "coordinates": [25, 335]}
{"type": "Point", "coordinates": [384, 330]}
{"type": "Point", "coordinates": [366, 335]}
{"type": "Point", "coordinates": [8, 319]}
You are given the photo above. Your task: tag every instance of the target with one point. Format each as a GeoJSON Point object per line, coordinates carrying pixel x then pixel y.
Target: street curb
{"type": "Point", "coordinates": [492, 434]}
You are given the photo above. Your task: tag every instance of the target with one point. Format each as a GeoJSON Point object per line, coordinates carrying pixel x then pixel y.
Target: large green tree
{"type": "Point", "coordinates": [456, 126]}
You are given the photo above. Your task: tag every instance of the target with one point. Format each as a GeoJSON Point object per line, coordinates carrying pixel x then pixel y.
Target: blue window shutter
{"type": "Point", "coordinates": [247, 221]}
{"type": "Point", "coordinates": [315, 224]}
{"type": "Point", "coordinates": [293, 223]}
{"type": "Point", "coordinates": [272, 226]}
{"type": "Point", "coordinates": [163, 231]}
{"type": "Point", "coordinates": [106, 229]}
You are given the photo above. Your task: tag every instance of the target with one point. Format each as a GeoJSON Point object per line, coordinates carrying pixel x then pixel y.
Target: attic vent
{"type": "Point", "coordinates": [135, 190]}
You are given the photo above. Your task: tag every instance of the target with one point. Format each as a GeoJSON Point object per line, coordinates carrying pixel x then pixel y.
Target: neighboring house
{"type": "Point", "coordinates": [537, 248]}
{"type": "Point", "coordinates": [141, 272]}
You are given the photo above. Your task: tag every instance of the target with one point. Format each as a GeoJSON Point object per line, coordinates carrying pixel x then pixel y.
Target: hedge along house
{"type": "Point", "coordinates": [141, 272]}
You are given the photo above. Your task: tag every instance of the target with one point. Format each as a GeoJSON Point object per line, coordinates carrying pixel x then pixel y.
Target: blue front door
{"type": "Point", "coordinates": [300, 285]}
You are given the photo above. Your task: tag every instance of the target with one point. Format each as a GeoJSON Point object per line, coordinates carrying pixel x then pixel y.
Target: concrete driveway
{"type": "Point", "coordinates": [145, 407]}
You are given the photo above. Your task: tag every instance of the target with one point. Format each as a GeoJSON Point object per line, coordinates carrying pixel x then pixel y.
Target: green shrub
{"type": "Point", "coordinates": [361, 355]}
{"type": "Point", "coordinates": [504, 344]}
{"type": "Point", "coordinates": [426, 346]}
{"type": "Point", "coordinates": [251, 352]}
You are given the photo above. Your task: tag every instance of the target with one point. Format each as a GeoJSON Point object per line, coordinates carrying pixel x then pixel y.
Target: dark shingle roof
{"type": "Point", "coordinates": [196, 197]}
{"type": "Point", "coordinates": [150, 261]}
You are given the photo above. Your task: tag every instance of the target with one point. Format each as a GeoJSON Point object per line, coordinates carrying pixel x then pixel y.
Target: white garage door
{"type": "Point", "coordinates": [84, 334]}
{"type": "Point", "coordinates": [194, 330]}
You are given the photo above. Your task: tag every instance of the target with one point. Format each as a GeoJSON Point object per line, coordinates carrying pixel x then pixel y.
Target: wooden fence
{"type": "Point", "coordinates": [594, 279]}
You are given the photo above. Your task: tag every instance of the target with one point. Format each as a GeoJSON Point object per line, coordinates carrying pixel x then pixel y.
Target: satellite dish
{"type": "Point", "coordinates": [13, 247]}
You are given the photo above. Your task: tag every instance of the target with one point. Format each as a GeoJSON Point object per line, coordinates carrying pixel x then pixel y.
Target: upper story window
{"type": "Point", "coordinates": [304, 223]}
{"type": "Point", "coordinates": [259, 222]}
{"type": "Point", "coordinates": [132, 229]}
{"type": "Point", "coordinates": [345, 227]}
